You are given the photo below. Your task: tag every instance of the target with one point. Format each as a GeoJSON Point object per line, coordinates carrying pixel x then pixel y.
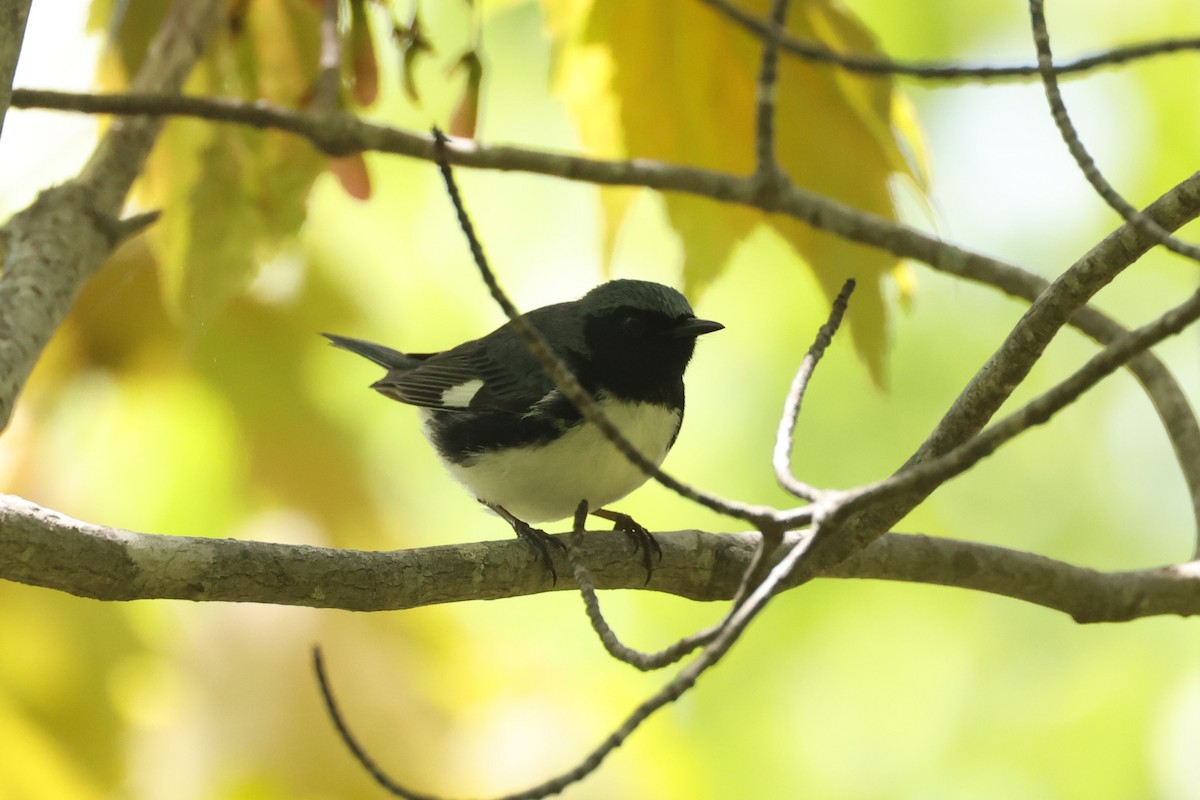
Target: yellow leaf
{"type": "Point", "coordinates": [676, 81]}
{"type": "Point", "coordinates": [231, 197]}
{"type": "Point", "coordinates": [583, 82]}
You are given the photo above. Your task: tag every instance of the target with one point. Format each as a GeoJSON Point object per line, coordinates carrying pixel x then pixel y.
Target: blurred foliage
{"type": "Point", "coordinates": [678, 82]}
{"type": "Point", "coordinates": [189, 393]}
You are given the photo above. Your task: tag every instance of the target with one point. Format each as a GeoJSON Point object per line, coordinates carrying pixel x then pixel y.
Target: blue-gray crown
{"type": "Point", "coordinates": [636, 294]}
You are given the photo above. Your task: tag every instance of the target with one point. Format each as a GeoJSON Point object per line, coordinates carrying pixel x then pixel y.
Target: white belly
{"type": "Point", "coordinates": [547, 482]}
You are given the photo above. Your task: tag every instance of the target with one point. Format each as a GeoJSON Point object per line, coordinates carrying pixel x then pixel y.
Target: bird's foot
{"type": "Point", "coordinates": [643, 540]}
{"type": "Point", "coordinates": [538, 540]}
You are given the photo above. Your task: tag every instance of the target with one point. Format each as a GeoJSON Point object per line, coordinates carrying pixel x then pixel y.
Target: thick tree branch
{"type": "Point", "coordinates": [45, 548]}
{"type": "Point", "coordinates": [57, 243]}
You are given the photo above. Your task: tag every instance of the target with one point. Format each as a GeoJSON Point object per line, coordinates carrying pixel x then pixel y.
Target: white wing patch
{"type": "Point", "coordinates": [460, 395]}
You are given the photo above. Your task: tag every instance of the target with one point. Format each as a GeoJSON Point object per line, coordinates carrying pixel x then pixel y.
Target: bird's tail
{"type": "Point", "coordinates": [385, 357]}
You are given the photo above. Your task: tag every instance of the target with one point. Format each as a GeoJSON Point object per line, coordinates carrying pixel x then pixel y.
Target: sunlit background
{"type": "Point", "coordinates": [250, 427]}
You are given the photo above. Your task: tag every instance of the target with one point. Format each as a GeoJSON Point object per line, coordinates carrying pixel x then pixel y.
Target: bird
{"type": "Point", "coordinates": [505, 432]}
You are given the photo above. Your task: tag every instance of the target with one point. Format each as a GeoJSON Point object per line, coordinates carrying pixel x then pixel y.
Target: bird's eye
{"type": "Point", "coordinates": [632, 326]}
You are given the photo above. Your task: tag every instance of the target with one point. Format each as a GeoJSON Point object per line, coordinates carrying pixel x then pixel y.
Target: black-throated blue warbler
{"type": "Point", "coordinates": [513, 440]}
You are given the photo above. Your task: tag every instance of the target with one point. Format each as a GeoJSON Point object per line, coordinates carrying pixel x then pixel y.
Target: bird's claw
{"type": "Point", "coordinates": [540, 542]}
{"type": "Point", "coordinates": [643, 540]}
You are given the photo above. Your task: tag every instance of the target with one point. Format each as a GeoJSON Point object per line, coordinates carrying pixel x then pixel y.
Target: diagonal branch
{"type": "Point", "coordinates": [44, 267]}
{"type": "Point", "coordinates": [1164, 392]}
{"type": "Point", "coordinates": [919, 478]}
{"type": "Point", "coordinates": [13, 16]}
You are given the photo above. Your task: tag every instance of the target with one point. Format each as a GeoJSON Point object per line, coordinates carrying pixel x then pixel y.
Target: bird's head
{"type": "Point", "coordinates": [639, 337]}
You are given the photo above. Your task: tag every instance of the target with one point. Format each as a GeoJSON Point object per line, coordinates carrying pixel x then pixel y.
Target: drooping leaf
{"type": "Point", "coordinates": [464, 119]}
{"type": "Point", "coordinates": [677, 82]}
{"type": "Point", "coordinates": [362, 56]}
{"type": "Point", "coordinates": [232, 197]}
{"type": "Point", "coordinates": [351, 173]}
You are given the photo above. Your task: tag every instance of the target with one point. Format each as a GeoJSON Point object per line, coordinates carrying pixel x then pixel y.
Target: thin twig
{"type": "Point", "coordinates": [565, 381]}
{"type": "Point", "coordinates": [681, 683]}
{"type": "Point", "coordinates": [608, 637]}
{"type": "Point", "coordinates": [329, 78]}
{"type": "Point", "coordinates": [348, 738]}
{"type": "Point", "coordinates": [766, 165]}
{"type": "Point", "coordinates": [819, 53]}
{"type": "Point", "coordinates": [1087, 165]}
{"type": "Point", "coordinates": [785, 434]}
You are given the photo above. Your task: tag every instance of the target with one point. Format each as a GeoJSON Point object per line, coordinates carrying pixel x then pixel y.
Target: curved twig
{"type": "Point", "coordinates": [1087, 165]}
{"type": "Point", "coordinates": [818, 53]}
{"type": "Point", "coordinates": [785, 434]}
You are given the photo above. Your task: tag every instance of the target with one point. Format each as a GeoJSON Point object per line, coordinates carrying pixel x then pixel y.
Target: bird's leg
{"type": "Point", "coordinates": [536, 538]}
{"type": "Point", "coordinates": [642, 539]}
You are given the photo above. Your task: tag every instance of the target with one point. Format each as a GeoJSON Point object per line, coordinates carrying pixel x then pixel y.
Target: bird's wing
{"type": "Point", "coordinates": [487, 374]}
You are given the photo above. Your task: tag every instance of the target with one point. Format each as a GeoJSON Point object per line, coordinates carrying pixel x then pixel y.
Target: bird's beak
{"type": "Point", "coordinates": [694, 327]}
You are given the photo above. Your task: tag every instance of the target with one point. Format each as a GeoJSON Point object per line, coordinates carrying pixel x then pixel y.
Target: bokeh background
{"type": "Point", "coordinates": [248, 426]}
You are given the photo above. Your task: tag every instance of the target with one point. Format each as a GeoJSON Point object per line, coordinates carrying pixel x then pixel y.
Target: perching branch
{"type": "Point", "coordinates": [44, 548]}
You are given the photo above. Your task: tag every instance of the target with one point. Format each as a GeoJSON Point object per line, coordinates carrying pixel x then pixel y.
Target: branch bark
{"type": "Point", "coordinates": [57, 243]}
{"type": "Point", "coordinates": [44, 548]}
